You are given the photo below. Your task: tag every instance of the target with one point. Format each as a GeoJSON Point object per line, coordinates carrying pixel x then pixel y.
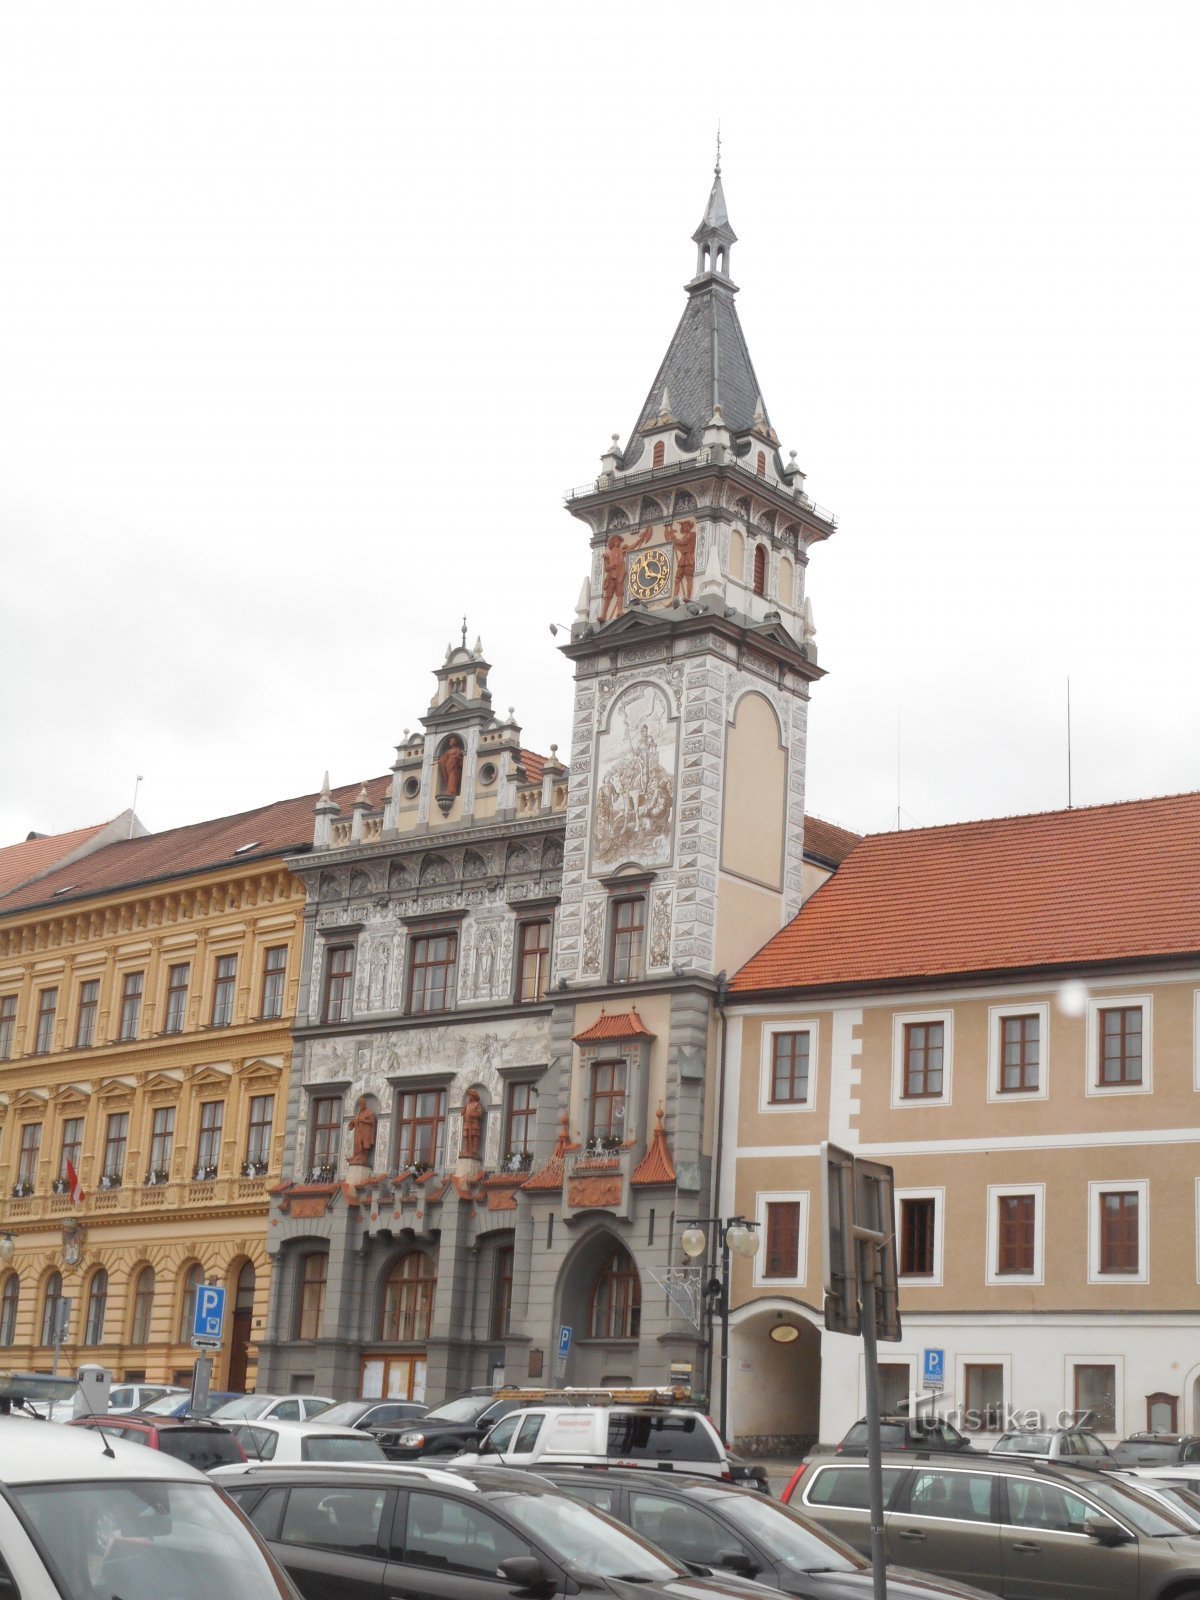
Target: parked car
{"type": "Point", "coordinates": [282, 1407]}
{"type": "Point", "coordinates": [197, 1440]}
{"type": "Point", "coordinates": [133, 1396]}
{"type": "Point", "coordinates": [1052, 1444]}
{"type": "Point", "coordinates": [1185, 1501]}
{"type": "Point", "coordinates": [373, 1413]}
{"type": "Point", "coordinates": [267, 1439]}
{"type": "Point", "coordinates": [1021, 1528]}
{"type": "Point", "coordinates": [906, 1433]}
{"type": "Point", "coordinates": [423, 1532]}
{"type": "Point", "coordinates": [1156, 1449]}
{"type": "Point", "coordinates": [710, 1526]}
{"type": "Point", "coordinates": [448, 1429]}
{"type": "Point", "coordinates": [178, 1403]}
{"type": "Point", "coordinates": [613, 1435]}
{"type": "Point", "coordinates": [94, 1520]}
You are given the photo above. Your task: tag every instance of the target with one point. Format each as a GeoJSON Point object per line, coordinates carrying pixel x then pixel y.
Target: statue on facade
{"type": "Point", "coordinates": [615, 551]}
{"type": "Point", "coordinates": [363, 1124]}
{"type": "Point", "coordinates": [472, 1127]}
{"type": "Point", "coordinates": [685, 557]}
{"type": "Point", "coordinates": [450, 766]}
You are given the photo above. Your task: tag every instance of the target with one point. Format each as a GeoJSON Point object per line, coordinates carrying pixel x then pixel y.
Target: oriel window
{"type": "Point", "coordinates": [608, 1100]}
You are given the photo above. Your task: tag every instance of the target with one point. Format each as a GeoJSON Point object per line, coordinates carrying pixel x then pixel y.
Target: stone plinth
{"type": "Point", "coordinates": [468, 1167]}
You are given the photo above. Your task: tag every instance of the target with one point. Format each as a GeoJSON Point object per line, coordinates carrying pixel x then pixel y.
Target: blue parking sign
{"type": "Point", "coordinates": [209, 1319]}
{"type": "Point", "coordinates": [564, 1342]}
{"type": "Point", "coordinates": [935, 1367]}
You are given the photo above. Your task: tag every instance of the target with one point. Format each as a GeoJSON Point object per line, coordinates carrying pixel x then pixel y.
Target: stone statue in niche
{"type": "Point", "coordinates": [379, 960]}
{"type": "Point", "coordinates": [685, 557]}
{"type": "Point", "coordinates": [485, 959]}
{"type": "Point", "coordinates": [615, 551]}
{"type": "Point", "coordinates": [472, 1127]}
{"type": "Point", "coordinates": [363, 1125]}
{"type": "Point", "coordinates": [450, 766]}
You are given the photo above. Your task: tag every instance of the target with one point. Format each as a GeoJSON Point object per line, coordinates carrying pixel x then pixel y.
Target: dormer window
{"type": "Point", "coordinates": [760, 569]}
{"type": "Point", "coordinates": [660, 451]}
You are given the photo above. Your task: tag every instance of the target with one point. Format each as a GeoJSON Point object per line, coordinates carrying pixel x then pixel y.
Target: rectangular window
{"type": "Point", "coordinates": [628, 938]}
{"type": "Point", "coordinates": [339, 983]}
{"type": "Point", "coordinates": [520, 1119]}
{"type": "Point", "coordinates": [533, 962]}
{"type": "Point", "coordinates": [326, 1137]}
{"type": "Point", "coordinates": [131, 1006]}
{"type": "Point", "coordinates": [224, 987]}
{"type": "Point", "coordinates": [789, 1068]}
{"type": "Point", "coordinates": [311, 1309]}
{"type": "Point", "coordinates": [178, 978]}
{"type": "Point", "coordinates": [72, 1146]}
{"type": "Point", "coordinates": [85, 1021]}
{"type": "Point", "coordinates": [917, 1221]}
{"type": "Point", "coordinates": [208, 1147]}
{"type": "Point", "coordinates": [502, 1297]}
{"type": "Point", "coordinates": [162, 1143]}
{"type": "Point", "coordinates": [781, 1257]}
{"type": "Point", "coordinates": [1120, 1046]}
{"type": "Point", "coordinates": [1020, 1054]}
{"type": "Point", "coordinates": [431, 973]}
{"type": "Point", "coordinates": [47, 1008]}
{"type": "Point", "coordinates": [421, 1127]}
{"type": "Point", "coordinates": [983, 1385]}
{"type": "Point", "coordinates": [274, 972]}
{"type": "Point", "coordinates": [116, 1139]}
{"type": "Point", "coordinates": [608, 1101]}
{"type": "Point", "coordinates": [924, 1045]}
{"type": "Point", "coordinates": [8, 1024]}
{"type": "Point", "coordinates": [31, 1146]}
{"type": "Point", "coordinates": [1096, 1398]}
{"type": "Point", "coordinates": [258, 1141]}
{"type": "Point", "coordinates": [895, 1384]}
{"type": "Point", "coordinates": [1016, 1233]}
{"type": "Point", "coordinates": [1119, 1231]}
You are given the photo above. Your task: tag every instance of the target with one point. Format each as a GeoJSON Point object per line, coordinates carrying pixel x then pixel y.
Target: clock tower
{"type": "Point", "coordinates": [694, 651]}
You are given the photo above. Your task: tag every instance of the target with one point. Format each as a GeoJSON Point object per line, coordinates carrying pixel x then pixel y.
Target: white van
{"type": "Point", "coordinates": [664, 1437]}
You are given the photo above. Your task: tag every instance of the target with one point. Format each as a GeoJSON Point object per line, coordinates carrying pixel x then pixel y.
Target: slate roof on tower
{"type": "Point", "coordinates": [1062, 889]}
{"type": "Point", "coordinates": [707, 362]}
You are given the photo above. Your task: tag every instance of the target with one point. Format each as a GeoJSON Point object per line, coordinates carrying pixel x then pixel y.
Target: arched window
{"type": "Point", "coordinates": [760, 466]}
{"type": "Point", "coordinates": [97, 1305]}
{"type": "Point", "coordinates": [52, 1308]}
{"type": "Point", "coordinates": [760, 569]}
{"type": "Point", "coordinates": [143, 1305]}
{"type": "Point", "coordinates": [660, 451]}
{"type": "Point", "coordinates": [408, 1299]}
{"type": "Point", "coordinates": [310, 1303]}
{"type": "Point", "coordinates": [616, 1298]}
{"type": "Point", "coordinates": [8, 1308]}
{"type": "Point", "coordinates": [187, 1309]}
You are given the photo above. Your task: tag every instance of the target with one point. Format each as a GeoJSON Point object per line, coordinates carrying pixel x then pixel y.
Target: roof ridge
{"type": "Point", "coordinates": [1029, 816]}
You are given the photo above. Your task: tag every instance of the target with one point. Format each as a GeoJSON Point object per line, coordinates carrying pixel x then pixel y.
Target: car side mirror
{"type": "Point", "coordinates": [1105, 1532]}
{"type": "Point", "coordinates": [736, 1561]}
{"type": "Point", "coordinates": [527, 1574]}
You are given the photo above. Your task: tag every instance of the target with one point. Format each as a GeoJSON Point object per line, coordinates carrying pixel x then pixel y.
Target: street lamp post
{"type": "Point", "coordinates": [735, 1236]}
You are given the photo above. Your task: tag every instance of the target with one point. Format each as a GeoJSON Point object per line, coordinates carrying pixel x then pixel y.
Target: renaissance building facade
{"type": "Point", "coordinates": [507, 1051]}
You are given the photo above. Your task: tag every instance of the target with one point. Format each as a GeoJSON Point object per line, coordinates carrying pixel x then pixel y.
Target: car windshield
{"type": "Point", "coordinates": [1023, 1444]}
{"type": "Point", "coordinates": [316, 1447]}
{"type": "Point", "coordinates": [246, 1405]}
{"type": "Point", "coordinates": [143, 1541]}
{"type": "Point", "coordinates": [165, 1406]}
{"type": "Point", "coordinates": [800, 1545]}
{"type": "Point", "coordinates": [1130, 1453]}
{"type": "Point", "coordinates": [347, 1412]}
{"type": "Point", "coordinates": [1146, 1515]}
{"type": "Point", "coordinates": [594, 1543]}
{"type": "Point", "coordinates": [467, 1408]}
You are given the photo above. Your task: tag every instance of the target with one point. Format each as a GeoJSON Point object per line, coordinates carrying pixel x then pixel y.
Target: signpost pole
{"type": "Point", "coordinates": [866, 1259]}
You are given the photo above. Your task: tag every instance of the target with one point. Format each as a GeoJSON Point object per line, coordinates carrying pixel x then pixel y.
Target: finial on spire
{"type": "Point", "coordinates": [464, 633]}
{"type": "Point", "coordinates": [717, 163]}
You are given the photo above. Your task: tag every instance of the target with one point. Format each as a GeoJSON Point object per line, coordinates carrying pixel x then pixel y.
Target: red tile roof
{"type": "Point", "coordinates": [827, 842]}
{"type": "Point", "coordinates": [656, 1165]}
{"type": "Point", "coordinates": [41, 853]}
{"type": "Point", "coordinates": [620, 1025]}
{"type": "Point", "coordinates": [1060, 889]}
{"type": "Point", "coordinates": [534, 765]}
{"type": "Point", "coordinates": [272, 830]}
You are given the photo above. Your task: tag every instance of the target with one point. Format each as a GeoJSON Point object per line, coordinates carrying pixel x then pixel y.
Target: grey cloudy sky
{"type": "Point", "coordinates": [310, 312]}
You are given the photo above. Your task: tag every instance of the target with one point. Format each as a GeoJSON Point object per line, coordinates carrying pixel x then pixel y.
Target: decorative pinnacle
{"type": "Point", "coordinates": [464, 633]}
{"type": "Point", "coordinates": [717, 164]}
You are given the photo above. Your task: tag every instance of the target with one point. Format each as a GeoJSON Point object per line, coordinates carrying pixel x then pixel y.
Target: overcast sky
{"type": "Point", "coordinates": [309, 313]}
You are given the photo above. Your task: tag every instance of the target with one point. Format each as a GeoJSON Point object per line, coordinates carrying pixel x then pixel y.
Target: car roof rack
{"type": "Point", "coordinates": [22, 1388]}
{"type": "Point", "coordinates": [1080, 1463]}
{"type": "Point", "coordinates": [665, 1395]}
{"type": "Point", "coordinates": [441, 1475]}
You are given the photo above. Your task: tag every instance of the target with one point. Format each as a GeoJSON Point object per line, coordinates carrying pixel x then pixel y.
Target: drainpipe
{"type": "Point", "coordinates": [714, 1207]}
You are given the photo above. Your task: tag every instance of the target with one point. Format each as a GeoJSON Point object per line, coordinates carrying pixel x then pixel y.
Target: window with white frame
{"type": "Point", "coordinates": [1118, 1053]}
{"type": "Point", "coordinates": [920, 1218]}
{"type": "Point", "coordinates": [781, 1260]}
{"type": "Point", "coordinates": [922, 1058]}
{"type": "Point", "coordinates": [1016, 1221]}
{"type": "Point", "coordinates": [788, 1070]}
{"type": "Point", "coordinates": [1119, 1231]}
{"type": "Point", "coordinates": [1018, 1051]}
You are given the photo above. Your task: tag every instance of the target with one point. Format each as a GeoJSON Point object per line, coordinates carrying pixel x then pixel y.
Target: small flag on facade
{"type": "Point", "coordinates": [76, 1188]}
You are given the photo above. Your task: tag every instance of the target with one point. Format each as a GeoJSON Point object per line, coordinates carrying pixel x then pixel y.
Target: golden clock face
{"type": "Point", "coordinates": [649, 574]}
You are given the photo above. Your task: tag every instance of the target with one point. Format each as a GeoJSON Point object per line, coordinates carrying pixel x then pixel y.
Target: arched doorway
{"type": "Point", "coordinates": [398, 1366]}
{"type": "Point", "coordinates": [243, 1322]}
{"type": "Point", "coordinates": [774, 1378]}
{"type": "Point", "coordinates": [600, 1300]}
